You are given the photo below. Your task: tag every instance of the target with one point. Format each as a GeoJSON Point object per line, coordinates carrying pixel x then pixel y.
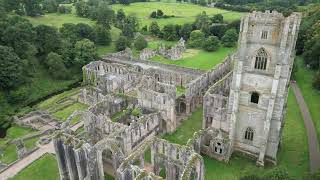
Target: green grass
{"type": "Point", "coordinates": [198, 59]}
{"type": "Point", "coordinates": [304, 78]}
{"type": "Point", "coordinates": [184, 13]}
{"type": "Point", "coordinates": [66, 112]}
{"type": "Point", "coordinates": [180, 90]}
{"type": "Point", "coordinates": [293, 154]}
{"type": "Point", "coordinates": [186, 130]}
{"type": "Point", "coordinates": [44, 168]}
{"type": "Point", "coordinates": [9, 151]}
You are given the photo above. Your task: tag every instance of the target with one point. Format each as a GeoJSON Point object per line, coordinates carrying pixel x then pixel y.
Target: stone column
{"type": "Point", "coordinates": [60, 155]}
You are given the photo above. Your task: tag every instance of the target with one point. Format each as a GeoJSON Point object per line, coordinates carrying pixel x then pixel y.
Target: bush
{"type": "Point", "coordinates": [122, 43]}
{"type": "Point", "coordinates": [196, 39]}
{"type": "Point", "coordinates": [230, 38]}
{"type": "Point", "coordinates": [64, 9]}
{"type": "Point", "coordinates": [316, 81]}
{"type": "Point", "coordinates": [103, 36]}
{"type": "Point", "coordinates": [154, 29]}
{"type": "Point", "coordinates": [56, 67]}
{"type": "Point", "coordinates": [212, 43]}
{"type": "Point", "coordinates": [18, 96]}
{"type": "Point", "coordinates": [153, 14]}
{"type": "Point", "coordinates": [140, 43]}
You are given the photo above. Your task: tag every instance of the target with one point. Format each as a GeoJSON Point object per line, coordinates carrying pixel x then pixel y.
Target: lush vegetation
{"type": "Point", "coordinates": [44, 168]}
{"type": "Point", "coordinates": [292, 156]}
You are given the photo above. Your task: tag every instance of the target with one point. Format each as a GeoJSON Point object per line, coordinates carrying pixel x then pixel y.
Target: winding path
{"type": "Point", "coordinates": [23, 163]}
{"type": "Point", "coordinates": [314, 152]}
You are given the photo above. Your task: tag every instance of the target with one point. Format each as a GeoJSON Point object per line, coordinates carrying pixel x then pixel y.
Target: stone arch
{"type": "Point", "coordinates": [194, 169]}
{"type": "Point", "coordinates": [109, 154]}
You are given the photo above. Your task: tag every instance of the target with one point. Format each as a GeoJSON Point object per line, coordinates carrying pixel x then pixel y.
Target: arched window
{"type": "Point", "coordinates": [218, 148]}
{"type": "Point", "coordinates": [261, 60]}
{"type": "Point", "coordinates": [249, 134]}
{"type": "Point", "coordinates": [254, 97]}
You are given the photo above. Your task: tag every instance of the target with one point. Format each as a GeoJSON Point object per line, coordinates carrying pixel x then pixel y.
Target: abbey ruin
{"type": "Point", "coordinates": [134, 101]}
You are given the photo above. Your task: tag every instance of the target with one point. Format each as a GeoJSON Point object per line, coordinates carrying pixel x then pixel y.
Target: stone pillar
{"type": "Point", "coordinates": [71, 162]}
{"type": "Point", "coordinates": [61, 158]}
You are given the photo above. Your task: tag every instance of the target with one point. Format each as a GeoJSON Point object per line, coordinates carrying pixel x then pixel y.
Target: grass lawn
{"type": "Point", "coordinates": [66, 112]}
{"type": "Point", "coordinates": [9, 152]}
{"type": "Point", "coordinates": [183, 12]}
{"type": "Point", "coordinates": [44, 168]}
{"type": "Point", "coordinates": [293, 154]}
{"type": "Point", "coordinates": [198, 59]}
{"type": "Point", "coordinates": [304, 78]}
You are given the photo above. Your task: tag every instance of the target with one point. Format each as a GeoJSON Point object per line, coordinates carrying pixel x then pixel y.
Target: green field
{"type": "Point", "coordinates": [183, 12]}
{"type": "Point", "coordinates": [304, 78]}
{"type": "Point", "coordinates": [293, 154]}
{"type": "Point", "coordinates": [44, 168]}
{"type": "Point", "coordinates": [9, 154]}
{"type": "Point", "coordinates": [198, 59]}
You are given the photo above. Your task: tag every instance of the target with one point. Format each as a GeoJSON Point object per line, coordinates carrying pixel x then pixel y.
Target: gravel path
{"type": "Point", "coordinates": [314, 152]}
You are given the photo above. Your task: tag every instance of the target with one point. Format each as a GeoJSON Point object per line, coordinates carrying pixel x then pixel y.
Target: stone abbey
{"type": "Point", "coordinates": [134, 101]}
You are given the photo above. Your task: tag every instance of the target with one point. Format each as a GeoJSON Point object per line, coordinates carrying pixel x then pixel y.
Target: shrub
{"type": "Point", "coordinates": [196, 39]}
{"type": "Point", "coordinates": [212, 43]}
{"type": "Point", "coordinates": [140, 43]}
{"type": "Point", "coordinates": [122, 43]}
{"type": "Point", "coordinates": [316, 81]}
{"type": "Point", "coordinates": [230, 38]}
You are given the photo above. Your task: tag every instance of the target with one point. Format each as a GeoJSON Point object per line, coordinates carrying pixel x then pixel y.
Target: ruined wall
{"type": "Point", "coordinates": [215, 104]}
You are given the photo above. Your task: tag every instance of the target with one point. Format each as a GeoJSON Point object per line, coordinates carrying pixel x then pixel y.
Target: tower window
{"type": "Point", "coordinates": [249, 134]}
{"type": "Point", "coordinates": [254, 97]}
{"type": "Point", "coordinates": [218, 148]}
{"type": "Point", "coordinates": [261, 60]}
{"type": "Point", "coordinates": [264, 35]}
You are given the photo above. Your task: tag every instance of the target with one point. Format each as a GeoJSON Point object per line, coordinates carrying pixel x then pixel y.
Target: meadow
{"type": "Point", "coordinates": [183, 12]}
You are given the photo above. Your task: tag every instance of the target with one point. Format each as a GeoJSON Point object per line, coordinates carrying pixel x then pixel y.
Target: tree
{"type": "Point", "coordinates": [159, 13]}
{"type": "Point", "coordinates": [140, 43]}
{"type": "Point", "coordinates": [50, 6]}
{"type": "Point", "coordinates": [153, 14]}
{"type": "Point", "coordinates": [85, 31]}
{"type": "Point", "coordinates": [155, 29]}
{"type": "Point", "coordinates": [196, 39]}
{"type": "Point", "coordinates": [120, 18]}
{"type": "Point", "coordinates": [82, 8]}
{"type": "Point", "coordinates": [185, 31]}
{"type": "Point", "coordinates": [47, 39]}
{"type": "Point", "coordinates": [11, 68]}
{"type": "Point", "coordinates": [85, 52]}
{"type": "Point", "coordinates": [103, 36]}
{"type": "Point", "coordinates": [105, 15]}
{"type": "Point", "coordinates": [212, 43]}
{"type": "Point", "coordinates": [230, 38]}
{"type": "Point", "coordinates": [10, 5]}
{"type": "Point", "coordinates": [130, 26]}
{"type": "Point", "coordinates": [56, 67]}
{"type": "Point", "coordinates": [316, 80]}
{"type": "Point", "coordinates": [124, 2]}
{"type": "Point", "coordinates": [68, 31]}
{"type": "Point", "coordinates": [217, 30]}
{"type": "Point", "coordinates": [122, 43]}
{"type": "Point", "coordinates": [19, 35]}
{"type": "Point", "coordinates": [169, 32]}
{"type": "Point", "coordinates": [202, 19]}
{"type": "Point", "coordinates": [218, 18]}
{"type": "Point", "coordinates": [64, 9]}
{"type": "Point", "coordinates": [32, 7]}
{"type": "Point", "coordinates": [203, 2]}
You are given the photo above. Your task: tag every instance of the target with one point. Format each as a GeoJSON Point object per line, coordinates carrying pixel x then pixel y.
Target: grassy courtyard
{"type": "Point", "coordinates": [183, 12]}
{"type": "Point", "coordinates": [304, 78]}
{"type": "Point", "coordinates": [198, 59]}
{"type": "Point", "coordinates": [44, 168]}
{"type": "Point", "coordinates": [292, 156]}
{"type": "Point", "coordinates": [8, 150]}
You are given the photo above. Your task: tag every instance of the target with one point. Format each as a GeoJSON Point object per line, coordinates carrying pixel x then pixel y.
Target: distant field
{"type": "Point", "coordinates": [183, 12]}
{"type": "Point", "coordinates": [198, 59]}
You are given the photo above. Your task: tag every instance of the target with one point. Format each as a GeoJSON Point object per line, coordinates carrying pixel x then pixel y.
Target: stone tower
{"type": "Point", "coordinates": [259, 89]}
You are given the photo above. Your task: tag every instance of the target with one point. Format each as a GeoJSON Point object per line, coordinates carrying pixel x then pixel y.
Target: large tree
{"type": "Point", "coordinates": [230, 38]}
{"type": "Point", "coordinates": [169, 32]}
{"type": "Point", "coordinates": [154, 28]}
{"type": "Point", "coordinates": [105, 15]}
{"type": "Point", "coordinates": [196, 39]}
{"type": "Point", "coordinates": [140, 43]}
{"type": "Point", "coordinates": [103, 36]}
{"type": "Point", "coordinates": [212, 43]}
{"type": "Point", "coordinates": [11, 68]}
{"type": "Point", "coordinates": [33, 7]}
{"type": "Point", "coordinates": [50, 6]}
{"type": "Point", "coordinates": [82, 8]}
{"type": "Point", "coordinates": [85, 52]}
{"type": "Point", "coordinates": [56, 67]}
{"type": "Point", "coordinates": [47, 39]}
{"type": "Point", "coordinates": [122, 43]}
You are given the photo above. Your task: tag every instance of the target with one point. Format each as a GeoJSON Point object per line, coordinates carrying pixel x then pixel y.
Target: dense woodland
{"type": "Point", "coordinates": [26, 49]}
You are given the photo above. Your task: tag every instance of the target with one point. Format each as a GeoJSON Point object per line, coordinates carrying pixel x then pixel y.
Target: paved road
{"type": "Point", "coordinates": [314, 152]}
{"type": "Point", "coordinates": [23, 163]}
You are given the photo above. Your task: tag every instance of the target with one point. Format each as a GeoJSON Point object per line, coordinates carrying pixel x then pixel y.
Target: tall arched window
{"type": "Point", "coordinates": [261, 60]}
{"type": "Point", "coordinates": [249, 134]}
